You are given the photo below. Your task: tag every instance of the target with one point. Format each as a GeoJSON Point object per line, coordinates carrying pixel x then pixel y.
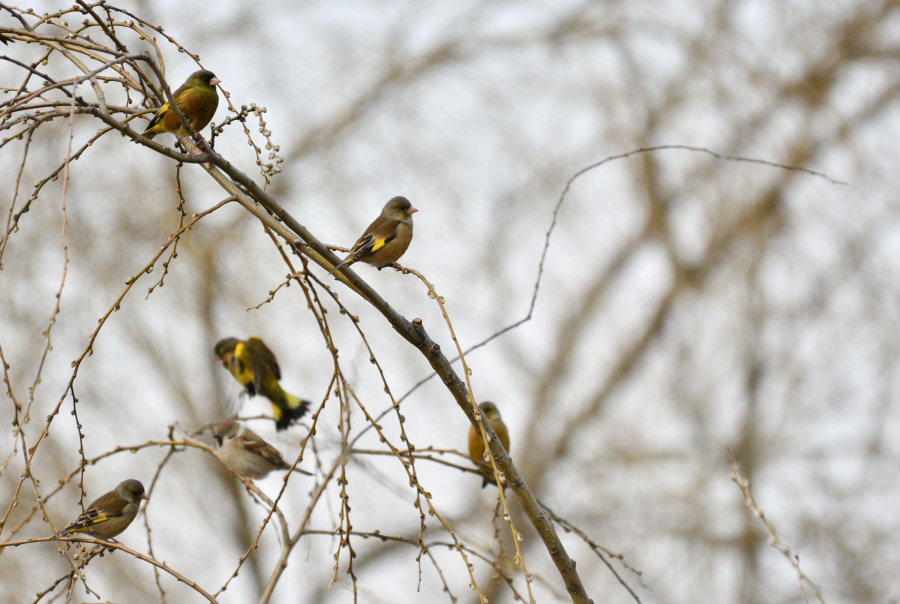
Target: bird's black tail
{"type": "Point", "coordinates": [292, 409]}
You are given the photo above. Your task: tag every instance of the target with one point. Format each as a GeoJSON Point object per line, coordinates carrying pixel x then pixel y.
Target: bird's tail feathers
{"type": "Point", "coordinates": [71, 529]}
{"type": "Point", "coordinates": [345, 262]}
{"type": "Point", "coordinates": [291, 408]}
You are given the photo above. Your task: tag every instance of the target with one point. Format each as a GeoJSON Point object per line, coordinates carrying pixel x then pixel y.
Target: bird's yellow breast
{"type": "Point", "coordinates": [241, 367]}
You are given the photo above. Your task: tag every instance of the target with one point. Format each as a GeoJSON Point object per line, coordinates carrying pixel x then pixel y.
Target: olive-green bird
{"type": "Point", "coordinates": [197, 99]}
{"type": "Point", "coordinates": [476, 444]}
{"type": "Point", "coordinates": [387, 237]}
{"type": "Point", "coordinates": [254, 366]}
{"type": "Point", "coordinates": [110, 514]}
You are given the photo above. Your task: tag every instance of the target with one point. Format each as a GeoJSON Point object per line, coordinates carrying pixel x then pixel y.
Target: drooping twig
{"type": "Point", "coordinates": [774, 540]}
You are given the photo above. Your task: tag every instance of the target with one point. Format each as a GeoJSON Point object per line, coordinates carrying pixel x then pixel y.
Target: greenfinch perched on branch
{"type": "Point", "coordinates": [197, 100]}
{"type": "Point", "coordinates": [254, 366]}
{"type": "Point", "coordinates": [387, 237]}
{"type": "Point", "coordinates": [111, 514]}
{"type": "Point", "coordinates": [244, 452]}
{"type": "Point", "coordinates": [476, 444]}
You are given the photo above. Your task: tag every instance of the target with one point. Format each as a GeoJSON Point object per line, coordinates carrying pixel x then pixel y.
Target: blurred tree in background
{"type": "Point", "coordinates": [688, 305]}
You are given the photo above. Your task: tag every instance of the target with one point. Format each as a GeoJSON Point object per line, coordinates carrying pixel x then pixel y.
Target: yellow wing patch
{"type": "Point", "coordinates": [158, 117]}
{"type": "Point", "coordinates": [377, 244]}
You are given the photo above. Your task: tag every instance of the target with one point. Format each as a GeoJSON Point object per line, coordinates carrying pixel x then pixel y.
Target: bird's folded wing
{"type": "Point", "coordinates": [264, 450]}
{"type": "Point", "coordinates": [264, 356]}
{"type": "Point", "coordinates": [159, 115]}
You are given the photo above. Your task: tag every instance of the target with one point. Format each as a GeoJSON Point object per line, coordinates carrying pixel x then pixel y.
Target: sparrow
{"type": "Point", "coordinates": [245, 453]}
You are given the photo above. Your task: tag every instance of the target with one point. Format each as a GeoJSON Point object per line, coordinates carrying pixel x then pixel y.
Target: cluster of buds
{"type": "Point", "coordinates": [272, 167]}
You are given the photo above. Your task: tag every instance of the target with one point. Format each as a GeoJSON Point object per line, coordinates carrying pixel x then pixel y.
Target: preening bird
{"type": "Point", "coordinates": [244, 452]}
{"type": "Point", "coordinates": [197, 100]}
{"type": "Point", "coordinates": [111, 513]}
{"type": "Point", "coordinates": [476, 444]}
{"type": "Point", "coordinates": [387, 237]}
{"type": "Point", "coordinates": [254, 366]}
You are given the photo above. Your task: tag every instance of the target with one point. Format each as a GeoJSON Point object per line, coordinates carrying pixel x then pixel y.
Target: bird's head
{"type": "Point", "coordinates": [204, 77]}
{"type": "Point", "coordinates": [490, 411]}
{"type": "Point", "coordinates": [398, 208]}
{"type": "Point", "coordinates": [225, 429]}
{"type": "Point", "coordinates": [224, 346]}
{"type": "Point", "coordinates": [131, 490]}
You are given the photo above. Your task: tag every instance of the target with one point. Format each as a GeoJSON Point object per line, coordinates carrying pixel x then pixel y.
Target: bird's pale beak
{"type": "Point", "coordinates": [412, 210]}
{"type": "Point", "coordinates": [214, 81]}
{"type": "Point", "coordinates": [145, 496]}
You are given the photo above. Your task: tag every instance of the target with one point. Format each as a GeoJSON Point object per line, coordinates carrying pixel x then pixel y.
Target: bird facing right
{"type": "Point", "coordinates": [196, 99]}
{"type": "Point", "coordinates": [110, 514]}
{"type": "Point", "coordinates": [386, 239]}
